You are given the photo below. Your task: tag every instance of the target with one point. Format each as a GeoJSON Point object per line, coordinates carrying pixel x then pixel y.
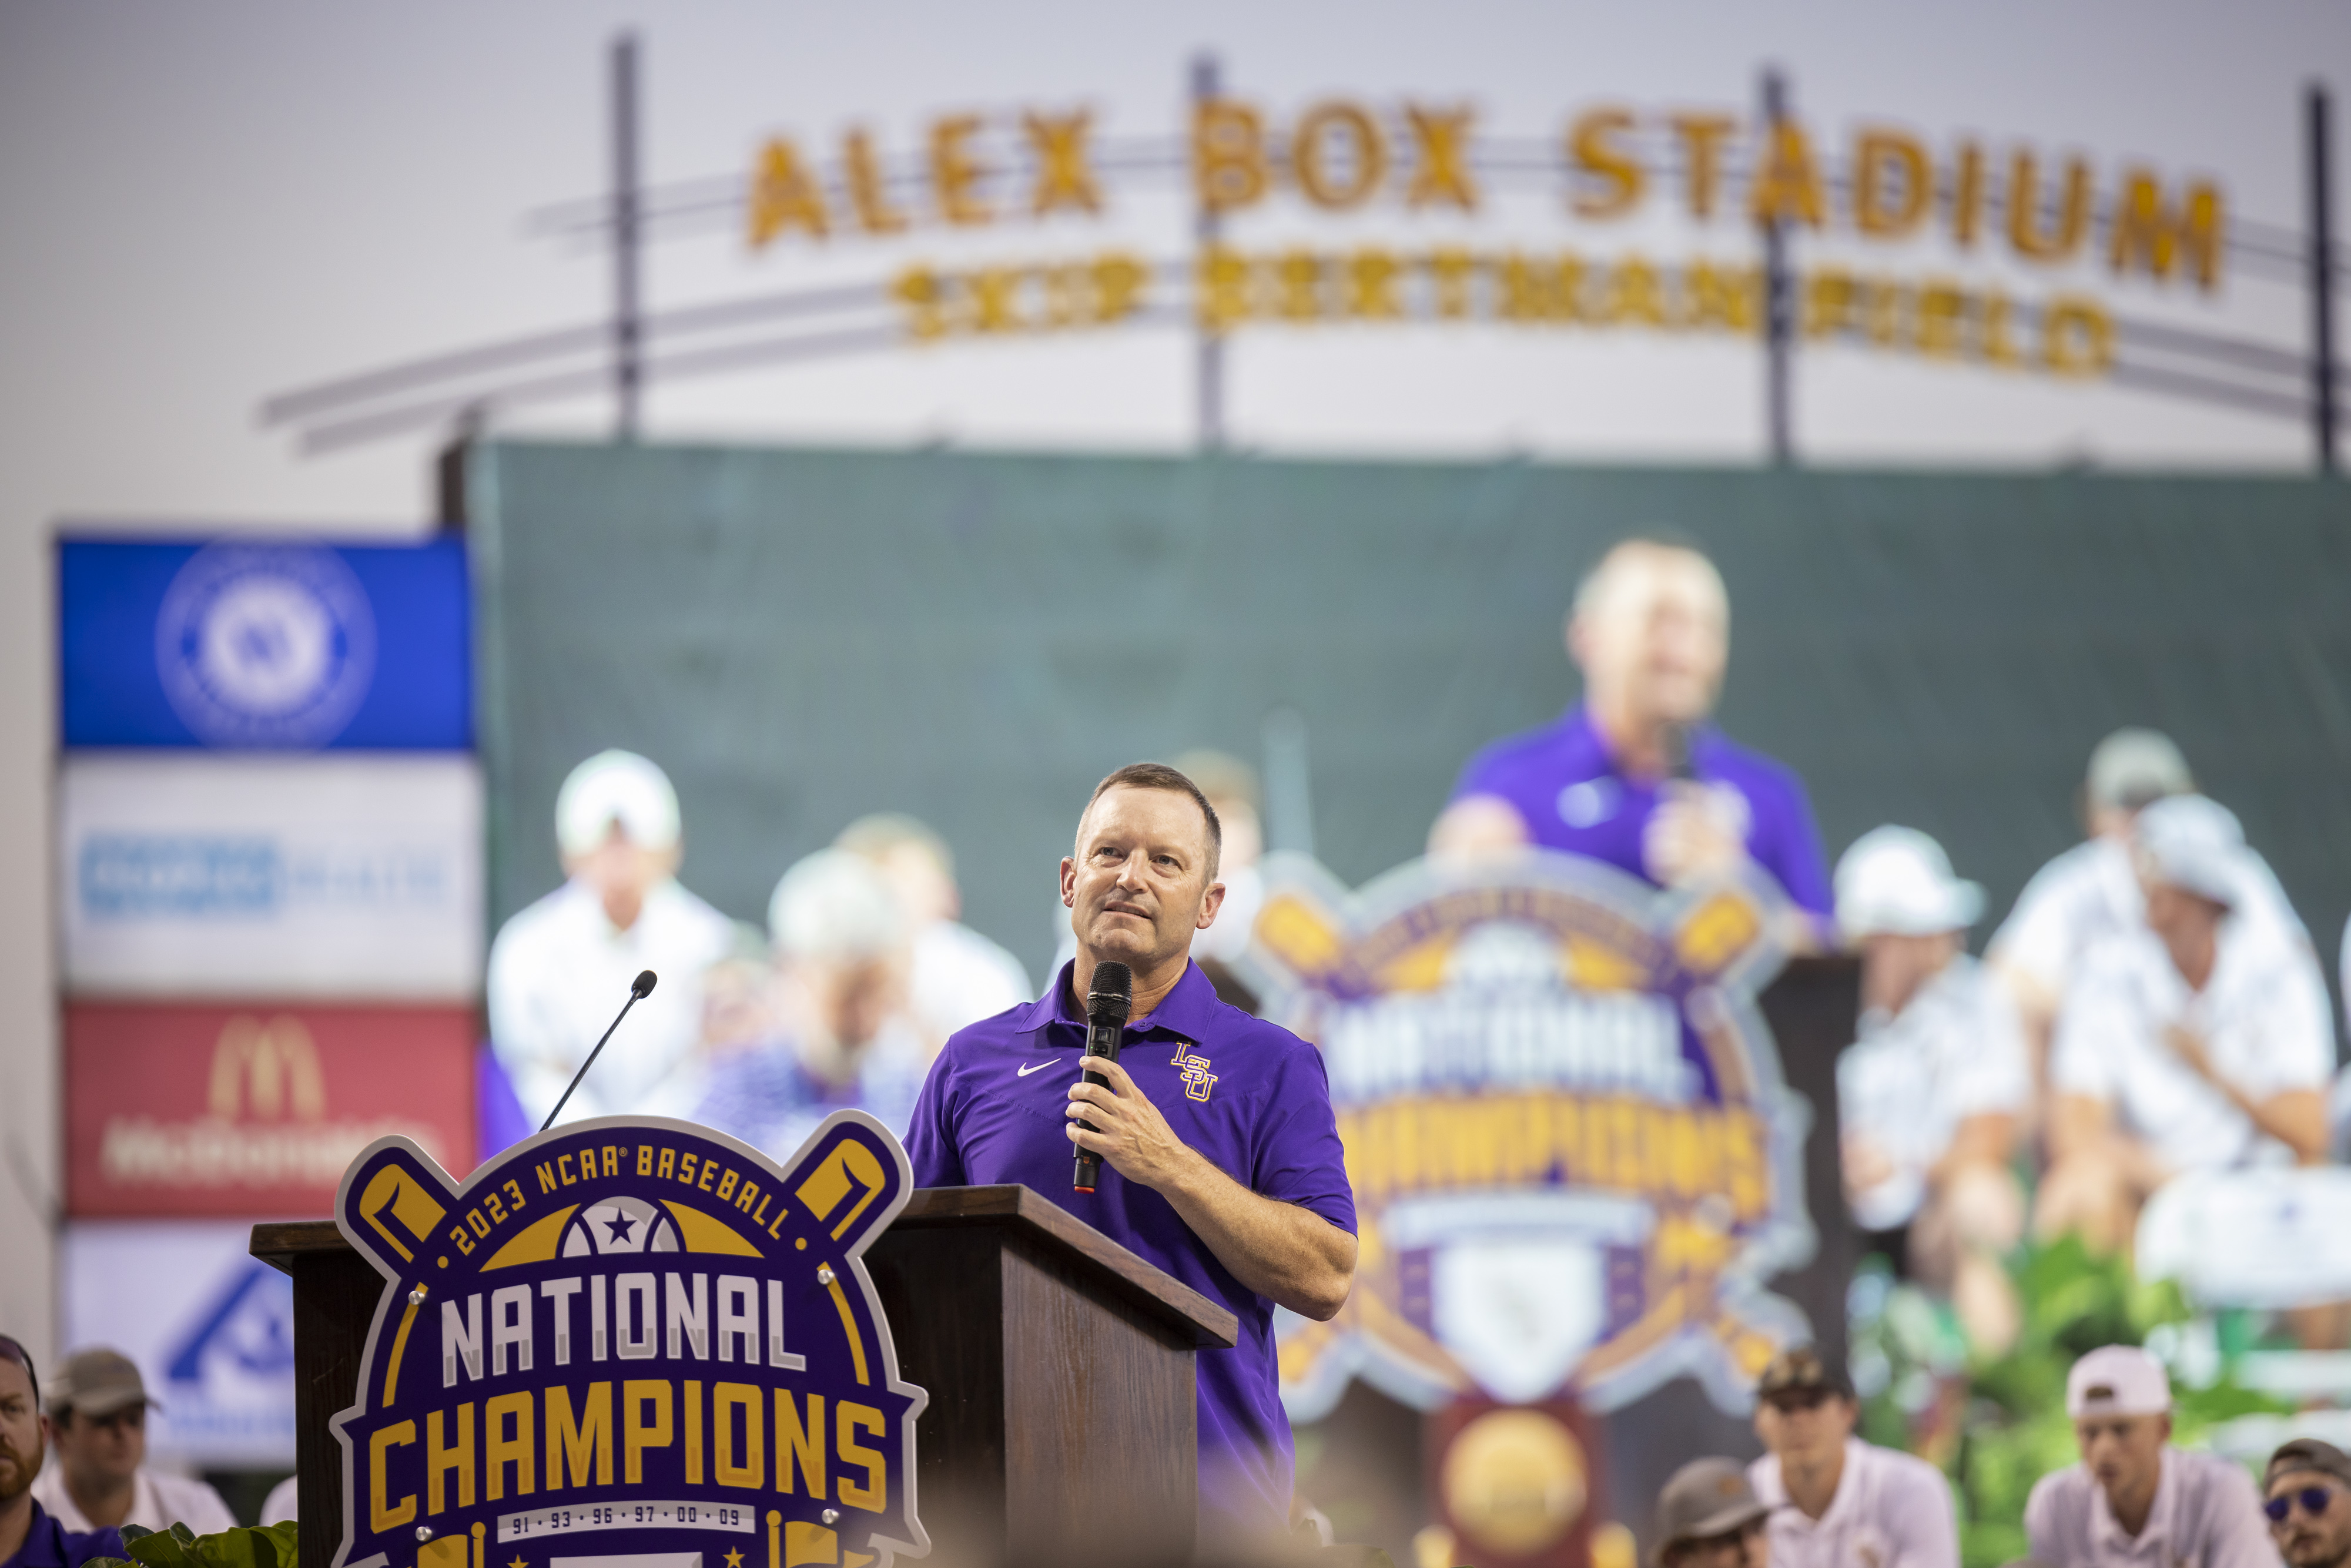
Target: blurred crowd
{"type": "Point", "coordinates": [2150, 1013]}
{"type": "Point", "coordinates": [1822, 1498]}
{"type": "Point", "coordinates": [2148, 1027]}
{"type": "Point", "coordinates": [2149, 1018]}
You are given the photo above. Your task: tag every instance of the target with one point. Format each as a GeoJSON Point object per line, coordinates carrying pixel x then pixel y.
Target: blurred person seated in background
{"type": "Point", "coordinates": [97, 1438]}
{"type": "Point", "coordinates": [2091, 893]}
{"type": "Point", "coordinates": [2306, 1492]}
{"type": "Point", "coordinates": [1232, 788]}
{"type": "Point", "coordinates": [561, 968]}
{"type": "Point", "coordinates": [1835, 1499]}
{"type": "Point", "coordinates": [956, 975]}
{"type": "Point", "coordinates": [840, 1037]}
{"type": "Point", "coordinates": [2200, 1041]}
{"type": "Point", "coordinates": [30, 1535]}
{"type": "Point", "coordinates": [1709, 1517]}
{"type": "Point", "coordinates": [2134, 1498]}
{"type": "Point", "coordinates": [1633, 775]}
{"type": "Point", "coordinates": [1929, 1096]}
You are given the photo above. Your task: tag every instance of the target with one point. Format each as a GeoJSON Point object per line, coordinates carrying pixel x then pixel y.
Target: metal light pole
{"type": "Point", "coordinates": [1778, 288]}
{"type": "Point", "coordinates": [628, 371]}
{"type": "Point", "coordinates": [2318, 159]}
{"type": "Point", "coordinates": [1207, 229]}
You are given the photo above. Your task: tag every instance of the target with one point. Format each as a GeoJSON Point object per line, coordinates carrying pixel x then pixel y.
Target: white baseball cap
{"type": "Point", "coordinates": [2132, 768]}
{"type": "Point", "coordinates": [2194, 843]}
{"type": "Point", "coordinates": [1897, 881]}
{"type": "Point", "coordinates": [834, 905]}
{"type": "Point", "coordinates": [2117, 1380]}
{"type": "Point", "coordinates": [616, 787]}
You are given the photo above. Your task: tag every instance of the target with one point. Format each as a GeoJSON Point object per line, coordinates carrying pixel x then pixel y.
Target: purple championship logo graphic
{"type": "Point", "coordinates": [630, 1343]}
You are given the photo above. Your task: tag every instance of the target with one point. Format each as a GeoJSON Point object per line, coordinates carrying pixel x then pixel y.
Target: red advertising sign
{"type": "Point", "coordinates": [254, 1110]}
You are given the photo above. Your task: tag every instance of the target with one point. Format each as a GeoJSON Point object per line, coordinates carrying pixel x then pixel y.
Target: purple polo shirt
{"type": "Point", "coordinates": [49, 1545]}
{"type": "Point", "coordinates": [1249, 1095]}
{"type": "Point", "coordinates": [1573, 796]}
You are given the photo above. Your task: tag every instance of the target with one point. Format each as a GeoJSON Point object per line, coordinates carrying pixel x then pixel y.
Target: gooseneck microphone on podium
{"type": "Point", "coordinates": [639, 989]}
{"type": "Point", "coordinates": [1109, 999]}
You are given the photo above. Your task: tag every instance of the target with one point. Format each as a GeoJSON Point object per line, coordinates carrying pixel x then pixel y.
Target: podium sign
{"type": "Point", "coordinates": [630, 1343]}
{"type": "Point", "coordinates": [1574, 1156]}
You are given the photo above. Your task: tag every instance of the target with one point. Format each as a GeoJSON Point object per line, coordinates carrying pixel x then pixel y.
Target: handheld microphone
{"type": "Point", "coordinates": [1674, 740]}
{"type": "Point", "coordinates": [639, 988]}
{"type": "Point", "coordinates": [1109, 999]}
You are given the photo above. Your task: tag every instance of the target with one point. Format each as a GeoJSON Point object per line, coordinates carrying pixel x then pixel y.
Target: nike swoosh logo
{"type": "Point", "coordinates": [1041, 1067]}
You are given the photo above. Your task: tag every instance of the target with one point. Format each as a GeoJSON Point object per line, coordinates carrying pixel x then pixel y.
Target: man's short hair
{"type": "Point", "coordinates": [11, 1350]}
{"type": "Point", "coordinates": [1159, 776]}
{"type": "Point", "coordinates": [1593, 587]}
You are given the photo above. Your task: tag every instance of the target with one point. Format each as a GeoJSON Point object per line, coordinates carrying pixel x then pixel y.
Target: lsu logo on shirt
{"type": "Point", "coordinates": [1193, 1073]}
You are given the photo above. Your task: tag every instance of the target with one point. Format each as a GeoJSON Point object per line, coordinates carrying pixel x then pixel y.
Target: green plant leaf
{"type": "Point", "coordinates": [286, 1538]}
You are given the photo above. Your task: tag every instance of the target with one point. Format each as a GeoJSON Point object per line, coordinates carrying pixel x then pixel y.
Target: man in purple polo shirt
{"type": "Point", "coordinates": [29, 1537]}
{"type": "Point", "coordinates": [1633, 775]}
{"type": "Point", "coordinates": [1221, 1159]}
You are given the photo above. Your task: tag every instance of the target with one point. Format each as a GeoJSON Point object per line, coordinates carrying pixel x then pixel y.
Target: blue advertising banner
{"type": "Point", "coordinates": [630, 1342]}
{"type": "Point", "coordinates": [262, 643]}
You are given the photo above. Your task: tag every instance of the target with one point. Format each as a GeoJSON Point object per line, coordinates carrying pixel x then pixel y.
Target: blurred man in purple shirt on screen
{"type": "Point", "coordinates": [1633, 775]}
{"type": "Point", "coordinates": [1221, 1161]}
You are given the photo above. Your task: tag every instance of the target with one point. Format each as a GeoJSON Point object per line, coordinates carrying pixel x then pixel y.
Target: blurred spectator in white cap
{"type": "Point", "coordinates": [2201, 1039]}
{"type": "Point", "coordinates": [560, 969]}
{"type": "Point", "coordinates": [97, 1476]}
{"type": "Point", "coordinates": [1929, 1096]}
{"type": "Point", "coordinates": [2134, 1498]}
{"type": "Point", "coordinates": [956, 977]}
{"type": "Point", "coordinates": [842, 1037]}
{"type": "Point", "coordinates": [2091, 890]}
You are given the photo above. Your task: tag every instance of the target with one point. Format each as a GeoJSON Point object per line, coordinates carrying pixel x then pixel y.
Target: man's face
{"type": "Point", "coordinates": [1138, 886]}
{"type": "Point", "coordinates": [107, 1450]}
{"type": "Point", "coordinates": [1656, 643]}
{"type": "Point", "coordinates": [2124, 1453]}
{"type": "Point", "coordinates": [922, 884]}
{"type": "Point", "coordinates": [853, 998]}
{"type": "Point", "coordinates": [2178, 916]}
{"type": "Point", "coordinates": [1745, 1547]}
{"type": "Point", "coordinates": [620, 871]}
{"type": "Point", "coordinates": [2306, 1539]}
{"type": "Point", "coordinates": [21, 1449]}
{"type": "Point", "coordinates": [1893, 966]}
{"type": "Point", "coordinates": [1804, 1426]}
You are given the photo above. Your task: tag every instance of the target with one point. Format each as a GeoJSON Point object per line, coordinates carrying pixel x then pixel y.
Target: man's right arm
{"type": "Point", "coordinates": [931, 1146]}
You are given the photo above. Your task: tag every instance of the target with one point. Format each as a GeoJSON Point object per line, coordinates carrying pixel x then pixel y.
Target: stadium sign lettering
{"type": "Point", "coordinates": [1613, 161]}
{"type": "Point", "coordinates": [630, 1338]}
{"type": "Point", "coordinates": [1934, 318]}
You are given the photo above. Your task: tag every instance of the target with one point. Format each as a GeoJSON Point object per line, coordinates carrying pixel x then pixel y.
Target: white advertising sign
{"type": "Point", "coordinates": [210, 1327]}
{"type": "Point", "coordinates": [210, 876]}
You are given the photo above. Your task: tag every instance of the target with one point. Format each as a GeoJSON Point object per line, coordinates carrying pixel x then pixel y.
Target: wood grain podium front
{"type": "Point", "coordinates": [1061, 1427]}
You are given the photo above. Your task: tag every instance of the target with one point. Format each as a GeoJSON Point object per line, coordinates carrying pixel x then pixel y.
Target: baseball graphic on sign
{"type": "Point", "coordinates": [630, 1343]}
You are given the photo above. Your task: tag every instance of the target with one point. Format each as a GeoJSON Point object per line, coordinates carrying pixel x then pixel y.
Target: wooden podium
{"type": "Point", "coordinates": [1061, 1427]}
